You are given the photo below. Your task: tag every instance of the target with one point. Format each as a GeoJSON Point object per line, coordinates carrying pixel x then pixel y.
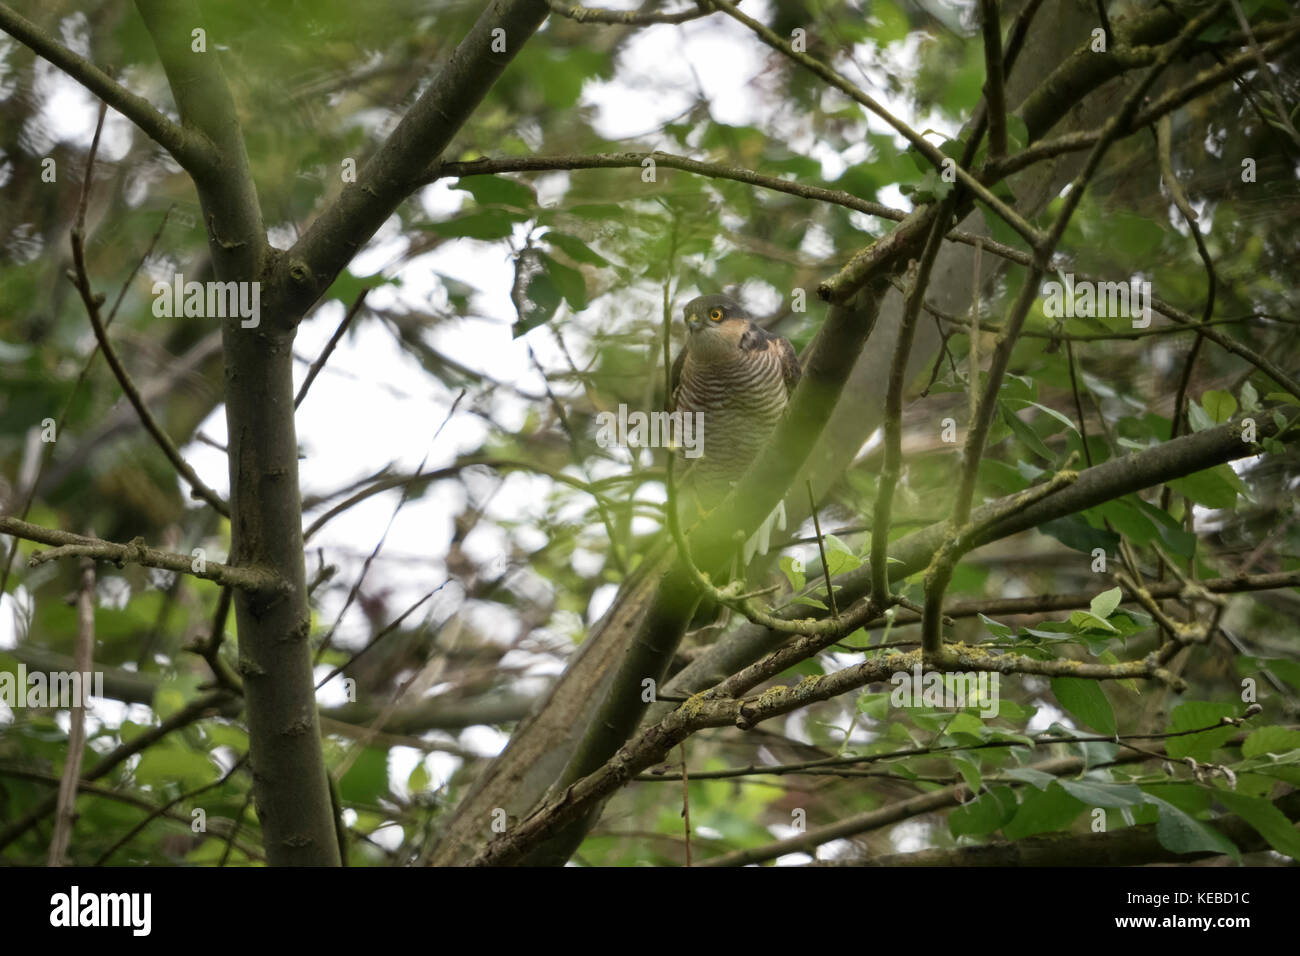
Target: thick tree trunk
{"type": "Point", "coordinates": [289, 776]}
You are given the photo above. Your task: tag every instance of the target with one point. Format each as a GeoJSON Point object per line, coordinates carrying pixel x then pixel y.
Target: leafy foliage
{"type": "Point", "coordinates": [591, 256]}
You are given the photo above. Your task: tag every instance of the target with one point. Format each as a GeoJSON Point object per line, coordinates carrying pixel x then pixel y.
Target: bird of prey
{"type": "Point", "coordinates": [740, 377]}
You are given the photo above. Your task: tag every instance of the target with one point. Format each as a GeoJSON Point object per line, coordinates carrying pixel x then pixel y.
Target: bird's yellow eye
{"type": "Point", "coordinates": [715, 315]}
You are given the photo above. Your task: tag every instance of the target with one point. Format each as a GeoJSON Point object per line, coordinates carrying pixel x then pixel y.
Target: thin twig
{"type": "Point", "coordinates": [821, 549]}
{"type": "Point", "coordinates": [1164, 151]}
{"type": "Point", "coordinates": [994, 95]}
{"type": "Point", "coordinates": [919, 142]}
{"type": "Point", "coordinates": [164, 808]}
{"type": "Point", "coordinates": [374, 641]}
{"type": "Point", "coordinates": [1279, 101]}
{"type": "Point", "coordinates": [624, 18]}
{"type": "Point", "coordinates": [892, 470]}
{"type": "Point", "coordinates": [686, 804]}
{"type": "Point", "coordinates": [65, 813]}
{"type": "Point", "coordinates": [197, 709]}
{"type": "Point", "coordinates": [325, 354]}
{"type": "Point", "coordinates": [907, 752]}
{"type": "Point", "coordinates": [65, 544]}
{"type": "Point", "coordinates": [188, 147]}
{"type": "Point", "coordinates": [117, 796]}
{"type": "Point", "coordinates": [365, 567]}
{"type": "Point", "coordinates": [939, 574]}
{"type": "Point", "coordinates": [92, 302]}
{"type": "Point", "coordinates": [578, 459]}
{"type": "Point", "coordinates": [1078, 403]}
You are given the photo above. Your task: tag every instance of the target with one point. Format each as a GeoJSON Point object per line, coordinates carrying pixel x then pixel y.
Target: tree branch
{"type": "Point", "coordinates": [187, 147]}
{"type": "Point", "coordinates": [534, 164]}
{"type": "Point", "coordinates": [919, 142]}
{"type": "Point", "coordinates": [626, 18]}
{"type": "Point", "coordinates": [1132, 846]}
{"type": "Point", "coordinates": [894, 407]}
{"type": "Point", "coordinates": [67, 545]}
{"type": "Point", "coordinates": [307, 269]}
{"type": "Point", "coordinates": [994, 93]}
{"type": "Point", "coordinates": [65, 815]}
{"type": "Point", "coordinates": [912, 553]}
{"type": "Point", "coordinates": [655, 743]}
{"type": "Point", "coordinates": [198, 488]}
{"type": "Point", "coordinates": [1204, 81]}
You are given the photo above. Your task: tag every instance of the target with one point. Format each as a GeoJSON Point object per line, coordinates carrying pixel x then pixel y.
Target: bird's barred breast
{"type": "Point", "coordinates": [742, 401]}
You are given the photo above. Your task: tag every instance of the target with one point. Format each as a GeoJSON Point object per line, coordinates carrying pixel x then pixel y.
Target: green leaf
{"type": "Point", "coordinates": [1074, 532]}
{"type": "Point", "coordinates": [1178, 540]}
{"type": "Point", "coordinates": [575, 248]}
{"type": "Point", "coordinates": [1050, 412]}
{"type": "Point", "coordinates": [839, 556]}
{"type": "Point", "coordinates": [174, 692]}
{"type": "Point", "coordinates": [346, 286]}
{"type": "Point", "coordinates": [1000, 630]}
{"type": "Point", "coordinates": [792, 574]}
{"type": "Point", "coordinates": [1198, 417]}
{"type": "Point", "coordinates": [1194, 714]}
{"type": "Point", "coordinates": [458, 293]}
{"type": "Point", "coordinates": [1097, 793]}
{"type": "Point", "coordinates": [1085, 701]}
{"type": "Point", "coordinates": [1270, 740]}
{"type": "Point", "coordinates": [970, 773]}
{"type": "Point", "coordinates": [1043, 811]}
{"type": "Point", "coordinates": [1105, 603]}
{"type": "Point", "coordinates": [569, 281]}
{"type": "Point", "coordinates": [1126, 519]}
{"type": "Point", "coordinates": [875, 706]}
{"type": "Point", "coordinates": [1026, 435]}
{"type": "Point", "coordinates": [1038, 778]}
{"type": "Point", "coordinates": [498, 191]}
{"type": "Point", "coordinates": [1015, 712]}
{"type": "Point", "coordinates": [1266, 819]}
{"type": "Point", "coordinates": [1086, 621]}
{"type": "Point", "coordinates": [1289, 671]}
{"type": "Point", "coordinates": [893, 22]}
{"type": "Point", "coordinates": [541, 299]}
{"type": "Point", "coordinates": [1133, 236]}
{"type": "Point", "coordinates": [367, 779]}
{"type": "Point", "coordinates": [163, 764]}
{"type": "Point", "coordinates": [1208, 488]}
{"type": "Point", "coordinates": [1017, 131]}
{"type": "Point", "coordinates": [984, 814]}
{"type": "Point", "coordinates": [1180, 833]}
{"type": "Point", "coordinates": [964, 723]}
{"type": "Point", "coordinates": [488, 224]}
{"type": "Point", "coordinates": [601, 212]}
{"type": "Point", "coordinates": [1220, 406]}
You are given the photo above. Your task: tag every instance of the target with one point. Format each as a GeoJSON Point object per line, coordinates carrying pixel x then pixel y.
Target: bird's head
{"type": "Point", "coordinates": [714, 325]}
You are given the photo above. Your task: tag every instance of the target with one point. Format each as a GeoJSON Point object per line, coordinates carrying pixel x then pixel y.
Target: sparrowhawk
{"type": "Point", "coordinates": [740, 376]}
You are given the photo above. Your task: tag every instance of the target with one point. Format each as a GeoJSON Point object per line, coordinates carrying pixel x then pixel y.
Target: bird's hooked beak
{"type": "Point", "coordinates": [693, 321]}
